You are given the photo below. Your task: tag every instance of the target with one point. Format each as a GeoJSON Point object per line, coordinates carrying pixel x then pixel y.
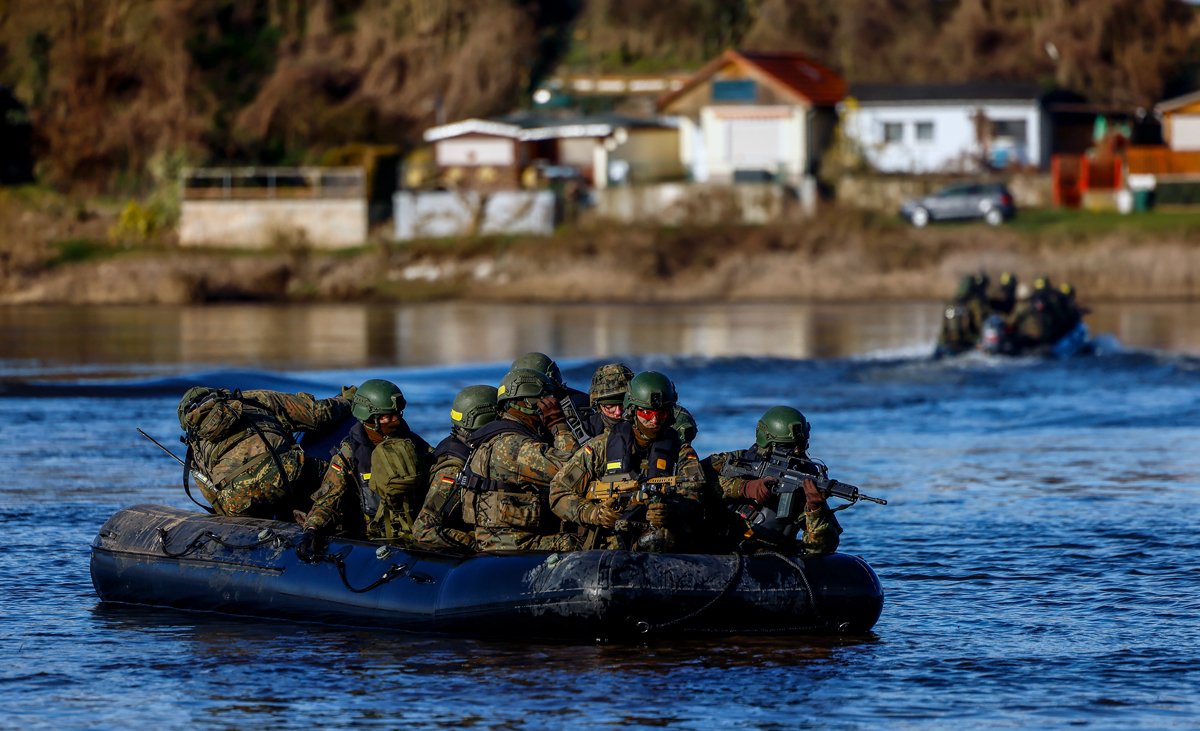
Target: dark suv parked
{"type": "Point", "coordinates": [990, 201]}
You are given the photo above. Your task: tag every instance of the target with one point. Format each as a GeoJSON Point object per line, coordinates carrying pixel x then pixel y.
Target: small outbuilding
{"type": "Point", "coordinates": [520, 149]}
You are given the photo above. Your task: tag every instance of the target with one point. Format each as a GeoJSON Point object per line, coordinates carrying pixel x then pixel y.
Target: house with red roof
{"type": "Point", "coordinates": [750, 117]}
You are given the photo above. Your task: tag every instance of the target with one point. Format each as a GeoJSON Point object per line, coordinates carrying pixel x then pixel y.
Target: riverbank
{"type": "Point", "coordinates": [63, 254]}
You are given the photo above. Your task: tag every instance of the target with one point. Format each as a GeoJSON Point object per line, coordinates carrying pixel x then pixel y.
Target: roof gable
{"type": "Point", "coordinates": [1177, 103]}
{"type": "Point", "coordinates": [526, 126]}
{"type": "Point", "coordinates": [793, 74]}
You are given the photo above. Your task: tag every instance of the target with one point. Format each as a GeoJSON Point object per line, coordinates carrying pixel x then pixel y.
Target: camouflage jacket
{"type": "Point", "coordinates": [581, 483]}
{"type": "Point", "coordinates": [241, 441]}
{"type": "Point", "coordinates": [373, 490]}
{"type": "Point", "coordinates": [818, 536]}
{"type": "Point", "coordinates": [511, 513]}
{"type": "Point", "coordinates": [440, 523]}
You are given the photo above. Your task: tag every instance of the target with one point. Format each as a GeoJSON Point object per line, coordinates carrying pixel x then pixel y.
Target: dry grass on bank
{"type": "Point", "coordinates": [56, 251]}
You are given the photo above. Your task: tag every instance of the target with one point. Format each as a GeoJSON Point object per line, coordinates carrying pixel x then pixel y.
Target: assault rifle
{"type": "Point", "coordinates": [630, 498]}
{"type": "Point", "coordinates": [790, 474]}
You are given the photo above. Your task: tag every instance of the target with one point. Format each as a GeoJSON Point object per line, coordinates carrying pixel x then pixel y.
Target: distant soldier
{"type": "Point", "coordinates": [1006, 294]}
{"type": "Point", "coordinates": [441, 522]}
{"type": "Point", "coordinates": [782, 430]}
{"type": "Point", "coordinates": [1042, 317]}
{"type": "Point", "coordinates": [963, 318]}
{"type": "Point", "coordinates": [243, 443]}
{"type": "Point", "coordinates": [511, 464]}
{"type": "Point", "coordinates": [378, 476]}
{"type": "Point", "coordinates": [640, 467]}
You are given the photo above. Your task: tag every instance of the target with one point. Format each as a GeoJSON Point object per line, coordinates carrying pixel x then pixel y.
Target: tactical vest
{"type": "Point", "coordinates": [493, 504]}
{"type": "Point", "coordinates": [359, 456]}
{"type": "Point", "coordinates": [468, 479]}
{"type": "Point", "coordinates": [452, 446]}
{"type": "Point", "coordinates": [622, 464]}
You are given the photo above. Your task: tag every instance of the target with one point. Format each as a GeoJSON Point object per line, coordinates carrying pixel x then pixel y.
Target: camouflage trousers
{"type": "Point", "coordinates": [518, 521]}
{"type": "Point", "coordinates": [262, 493]}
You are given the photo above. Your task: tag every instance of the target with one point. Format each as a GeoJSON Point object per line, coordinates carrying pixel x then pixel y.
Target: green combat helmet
{"type": "Point", "coordinates": [649, 390]}
{"type": "Point", "coordinates": [473, 407]}
{"type": "Point", "coordinates": [609, 384]}
{"type": "Point", "coordinates": [376, 397]}
{"type": "Point", "coordinates": [543, 364]}
{"type": "Point", "coordinates": [782, 425]}
{"type": "Point", "coordinates": [520, 383]}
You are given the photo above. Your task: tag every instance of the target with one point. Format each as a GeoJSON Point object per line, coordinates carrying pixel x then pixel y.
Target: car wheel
{"type": "Point", "coordinates": [994, 216]}
{"type": "Point", "coordinates": [920, 217]}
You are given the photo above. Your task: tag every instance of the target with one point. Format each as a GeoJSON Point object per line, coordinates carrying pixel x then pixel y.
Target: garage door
{"type": "Point", "coordinates": [1185, 132]}
{"type": "Point", "coordinates": [755, 143]}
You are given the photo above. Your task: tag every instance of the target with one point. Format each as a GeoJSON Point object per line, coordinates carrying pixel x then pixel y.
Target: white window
{"type": "Point", "coordinates": [893, 132]}
{"type": "Point", "coordinates": [925, 131]}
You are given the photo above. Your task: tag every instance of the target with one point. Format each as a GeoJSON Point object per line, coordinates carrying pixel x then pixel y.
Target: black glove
{"type": "Point", "coordinates": [309, 546]}
{"type": "Point", "coordinates": [550, 411]}
{"type": "Point", "coordinates": [759, 490]}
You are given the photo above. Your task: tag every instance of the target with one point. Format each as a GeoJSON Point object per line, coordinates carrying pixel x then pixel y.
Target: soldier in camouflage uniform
{"type": "Point", "coordinates": [781, 429]}
{"type": "Point", "coordinates": [611, 473]}
{"type": "Point", "coordinates": [511, 464]}
{"type": "Point", "coordinates": [378, 476]}
{"type": "Point", "coordinates": [573, 402]}
{"type": "Point", "coordinates": [243, 443]}
{"type": "Point", "coordinates": [440, 523]}
{"type": "Point", "coordinates": [607, 398]}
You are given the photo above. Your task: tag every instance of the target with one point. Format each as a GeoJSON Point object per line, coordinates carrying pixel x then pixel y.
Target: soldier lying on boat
{"type": "Point", "coordinates": [243, 443]}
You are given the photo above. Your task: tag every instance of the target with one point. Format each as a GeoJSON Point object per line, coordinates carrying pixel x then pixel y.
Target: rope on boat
{"type": "Point", "coordinates": [394, 571]}
{"type": "Point", "coordinates": [209, 537]}
{"type": "Point", "coordinates": [812, 597]}
{"type": "Point", "coordinates": [645, 627]}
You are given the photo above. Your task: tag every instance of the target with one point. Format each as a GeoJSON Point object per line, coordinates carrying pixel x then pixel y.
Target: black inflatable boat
{"type": "Point", "coordinates": [159, 556]}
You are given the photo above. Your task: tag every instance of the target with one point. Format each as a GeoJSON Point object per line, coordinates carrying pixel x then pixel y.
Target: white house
{"type": "Point", "coordinates": [936, 128]}
{"type": "Point", "coordinates": [750, 116]}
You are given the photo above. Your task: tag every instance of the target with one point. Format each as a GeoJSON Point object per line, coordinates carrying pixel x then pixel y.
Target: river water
{"type": "Point", "coordinates": [1038, 552]}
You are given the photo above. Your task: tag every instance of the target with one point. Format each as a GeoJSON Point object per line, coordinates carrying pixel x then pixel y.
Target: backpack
{"type": "Point", "coordinates": [210, 413]}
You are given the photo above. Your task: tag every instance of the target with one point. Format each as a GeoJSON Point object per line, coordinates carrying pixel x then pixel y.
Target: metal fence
{"type": "Point", "coordinates": [274, 183]}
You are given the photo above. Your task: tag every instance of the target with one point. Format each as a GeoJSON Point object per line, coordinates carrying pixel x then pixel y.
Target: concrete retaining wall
{"type": "Point", "coordinates": [323, 224]}
{"type": "Point", "coordinates": [426, 215]}
{"type": "Point", "coordinates": [674, 204]}
{"type": "Point", "coordinates": [887, 193]}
